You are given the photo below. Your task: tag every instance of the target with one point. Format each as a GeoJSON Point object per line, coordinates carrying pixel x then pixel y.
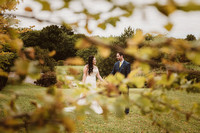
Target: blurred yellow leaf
{"type": "Point", "coordinates": [28, 9]}
{"type": "Point", "coordinates": [190, 6]}
{"type": "Point", "coordinates": [69, 125]}
{"type": "Point", "coordinates": [3, 73]}
{"type": "Point", "coordinates": [168, 26]}
{"type": "Point", "coordinates": [21, 66]}
{"type": "Point", "coordinates": [194, 57]}
{"type": "Point", "coordinates": [137, 38]}
{"type": "Point", "coordinates": [103, 51]}
{"type": "Point", "coordinates": [52, 53]}
{"type": "Point", "coordinates": [16, 44]}
{"type": "Point", "coordinates": [82, 43]}
{"type": "Point", "coordinates": [147, 53]}
{"type": "Point", "coordinates": [131, 50]}
{"type": "Point", "coordinates": [145, 67]}
{"type": "Point", "coordinates": [139, 81]}
{"type": "Point", "coordinates": [123, 88]}
{"type": "Point", "coordinates": [119, 76]}
{"type": "Point", "coordinates": [34, 70]}
{"type": "Point", "coordinates": [102, 26]}
{"type": "Point", "coordinates": [45, 5]}
{"type": "Point", "coordinates": [166, 9]}
{"type": "Point", "coordinates": [74, 61]}
{"type": "Point", "coordinates": [112, 79]}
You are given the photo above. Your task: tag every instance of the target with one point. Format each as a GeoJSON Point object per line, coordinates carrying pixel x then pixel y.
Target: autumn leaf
{"type": "Point", "coordinates": [168, 26]}
{"type": "Point", "coordinates": [103, 51]}
{"type": "Point", "coordinates": [102, 26]}
{"type": "Point", "coordinates": [136, 39]}
{"type": "Point", "coordinates": [28, 9]}
{"type": "Point", "coordinates": [74, 61]}
{"type": "Point", "coordinates": [45, 5]}
{"type": "Point", "coordinates": [52, 53]}
{"type": "Point", "coordinates": [82, 43]}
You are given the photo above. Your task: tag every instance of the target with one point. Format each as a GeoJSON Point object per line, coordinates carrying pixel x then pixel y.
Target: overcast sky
{"type": "Point", "coordinates": [184, 23]}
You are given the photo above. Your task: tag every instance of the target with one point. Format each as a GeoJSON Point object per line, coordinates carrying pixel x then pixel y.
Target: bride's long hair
{"type": "Point", "coordinates": [90, 64]}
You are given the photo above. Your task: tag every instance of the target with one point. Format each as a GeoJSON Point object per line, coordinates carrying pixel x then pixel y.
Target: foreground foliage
{"type": "Point", "coordinates": [134, 122]}
{"type": "Point", "coordinates": [48, 116]}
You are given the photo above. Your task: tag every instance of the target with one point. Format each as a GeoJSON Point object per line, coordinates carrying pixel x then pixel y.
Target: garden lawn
{"type": "Point", "coordinates": [132, 123]}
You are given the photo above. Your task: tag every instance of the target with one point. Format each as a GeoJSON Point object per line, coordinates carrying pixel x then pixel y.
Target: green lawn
{"type": "Point", "coordinates": [134, 122]}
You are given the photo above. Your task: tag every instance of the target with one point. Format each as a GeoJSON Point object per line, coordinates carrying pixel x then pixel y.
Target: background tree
{"type": "Point", "coordinates": [190, 37]}
{"type": "Point", "coordinates": [152, 103]}
{"type": "Point", "coordinates": [53, 37]}
{"type": "Point", "coordinates": [31, 38]}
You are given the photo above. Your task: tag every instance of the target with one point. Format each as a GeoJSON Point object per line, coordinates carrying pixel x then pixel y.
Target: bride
{"type": "Point", "coordinates": [90, 72]}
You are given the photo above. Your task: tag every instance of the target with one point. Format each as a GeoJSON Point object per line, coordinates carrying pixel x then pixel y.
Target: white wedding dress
{"type": "Point", "coordinates": [91, 82]}
{"type": "Point", "coordinates": [91, 79]}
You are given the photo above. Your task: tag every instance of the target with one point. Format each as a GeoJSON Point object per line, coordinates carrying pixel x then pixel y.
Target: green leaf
{"type": "Point", "coordinates": [165, 80]}
{"type": "Point", "coordinates": [33, 70]}
{"type": "Point", "coordinates": [113, 21]}
{"type": "Point", "coordinates": [82, 43]}
{"type": "Point", "coordinates": [194, 57]}
{"type": "Point", "coordinates": [168, 26]}
{"type": "Point", "coordinates": [45, 5]}
{"type": "Point", "coordinates": [190, 6]}
{"type": "Point", "coordinates": [112, 79]}
{"type": "Point", "coordinates": [139, 81]}
{"type": "Point", "coordinates": [102, 26]}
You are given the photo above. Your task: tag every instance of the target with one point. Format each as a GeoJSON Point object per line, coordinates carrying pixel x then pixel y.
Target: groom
{"type": "Point", "coordinates": [123, 67]}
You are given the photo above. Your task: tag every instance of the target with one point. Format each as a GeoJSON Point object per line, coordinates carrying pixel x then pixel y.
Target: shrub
{"type": "Point", "coordinates": [85, 53]}
{"type": "Point", "coordinates": [7, 60]}
{"type": "Point", "coordinates": [149, 37]}
{"type": "Point", "coordinates": [193, 89]}
{"type": "Point", "coordinates": [190, 37]}
{"type": "Point", "coordinates": [194, 76]}
{"type": "Point", "coordinates": [60, 39]}
{"type": "Point", "coordinates": [31, 38]}
{"type": "Point", "coordinates": [3, 81]}
{"type": "Point", "coordinates": [47, 79]}
{"type": "Point", "coordinates": [60, 63]}
{"type": "Point", "coordinates": [47, 63]}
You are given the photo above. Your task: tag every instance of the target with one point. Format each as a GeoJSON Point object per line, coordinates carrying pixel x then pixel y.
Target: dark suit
{"type": "Point", "coordinates": [125, 70]}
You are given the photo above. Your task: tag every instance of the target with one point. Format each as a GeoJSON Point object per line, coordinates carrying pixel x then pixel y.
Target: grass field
{"type": "Point", "coordinates": [132, 123]}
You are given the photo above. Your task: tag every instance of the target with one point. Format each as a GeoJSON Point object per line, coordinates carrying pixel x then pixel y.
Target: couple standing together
{"type": "Point", "coordinates": [90, 71]}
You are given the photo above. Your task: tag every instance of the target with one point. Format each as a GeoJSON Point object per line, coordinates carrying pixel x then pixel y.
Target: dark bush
{"type": "Point", "coordinates": [47, 79]}
{"type": "Point", "coordinates": [149, 37]}
{"type": "Point", "coordinates": [85, 53]}
{"type": "Point", "coordinates": [3, 81]}
{"type": "Point", "coordinates": [190, 37]}
{"type": "Point", "coordinates": [7, 57]}
{"type": "Point", "coordinates": [60, 63]}
{"type": "Point", "coordinates": [47, 63]}
{"type": "Point", "coordinates": [7, 60]}
{"type": "Point", "coordinates": [193, 76]}
{"type": "Point", "coordinates": [193, 90]}
{"type": "Point", "coordinates": [31, 38]}
{"type": "Point", "coordinates": [60, 39]}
